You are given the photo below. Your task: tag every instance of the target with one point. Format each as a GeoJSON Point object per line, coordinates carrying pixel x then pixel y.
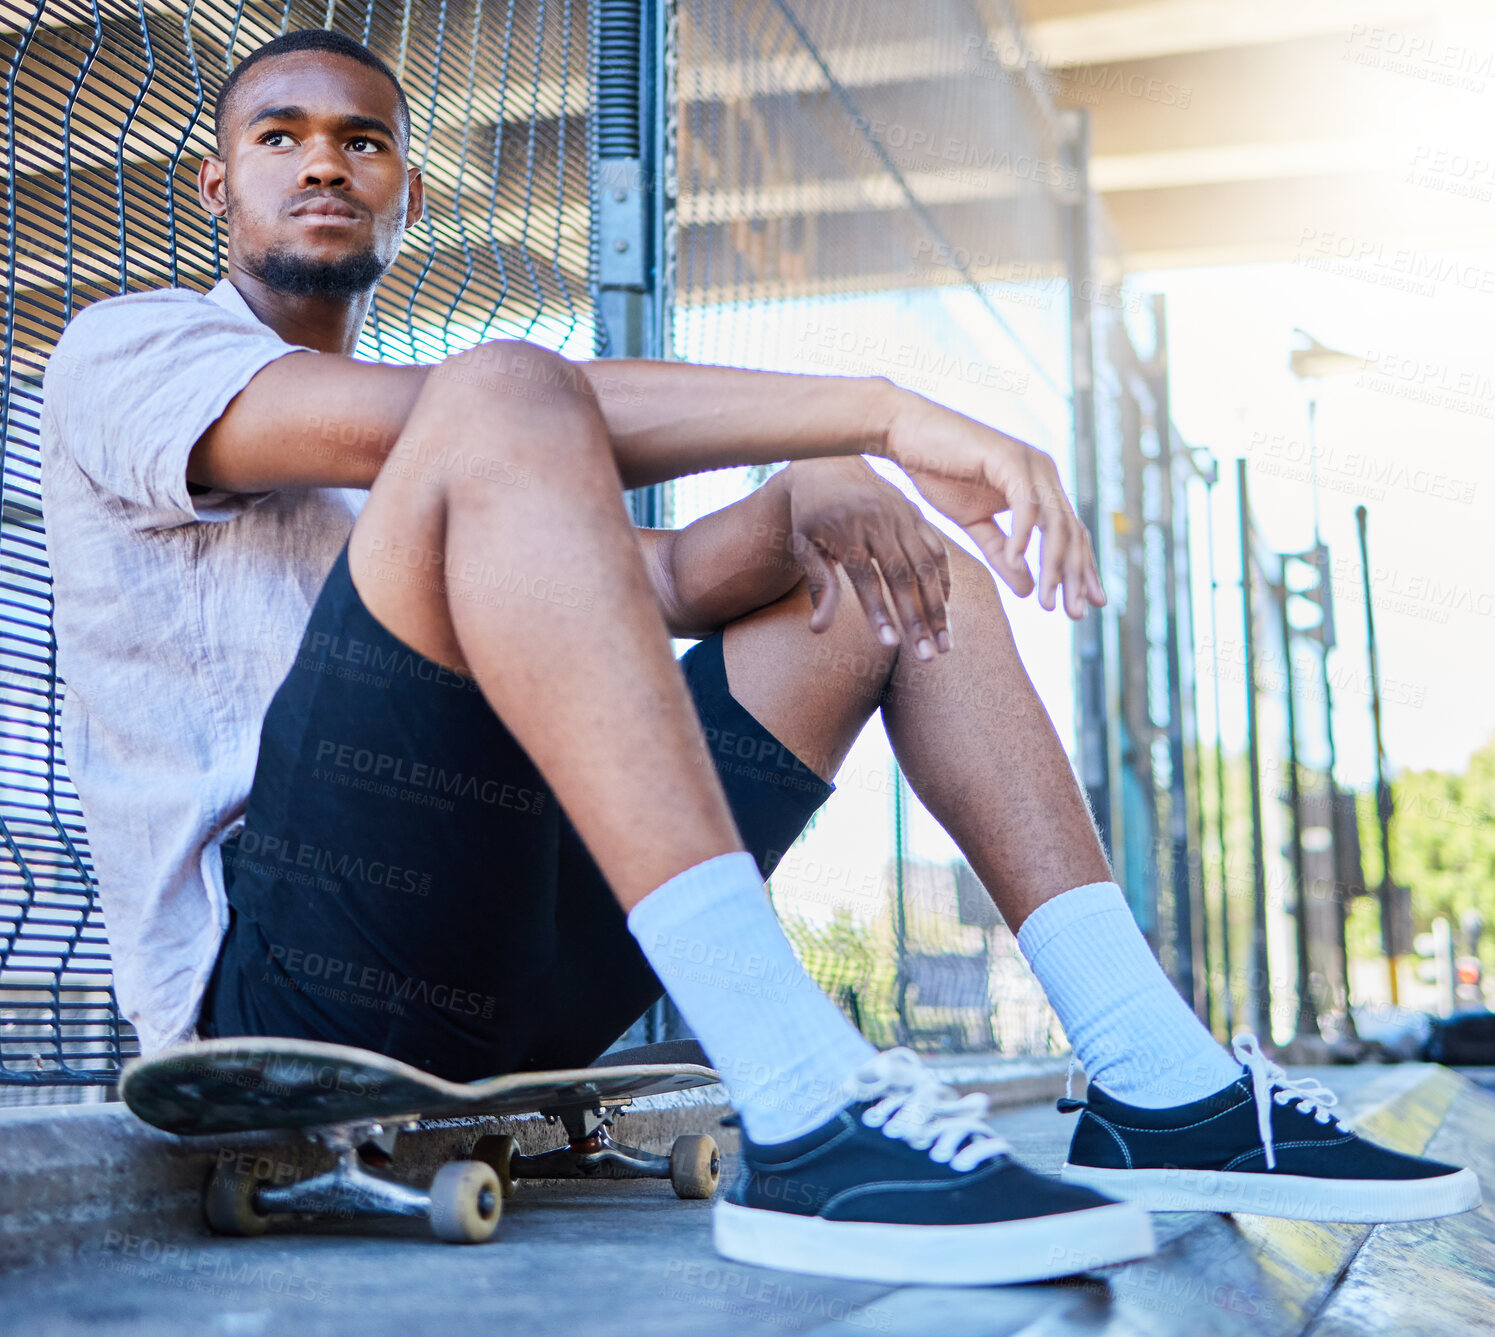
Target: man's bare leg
{"type": "Point", "coordinates": [977, 746]}
{"type": "Point", "coordinates": [967, 728]}
{"type": "Point", "coordinates": [495, 541]}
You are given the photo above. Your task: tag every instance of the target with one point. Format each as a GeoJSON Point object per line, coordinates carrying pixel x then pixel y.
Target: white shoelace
{"type": "Point", "coordinates": [914, 1106]}
{"type": "Point", "coordinates": [1270, 1086]}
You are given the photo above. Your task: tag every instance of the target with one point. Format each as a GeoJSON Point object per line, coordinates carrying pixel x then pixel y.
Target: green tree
{"type": "Point", "coordinates": [1442, 846]}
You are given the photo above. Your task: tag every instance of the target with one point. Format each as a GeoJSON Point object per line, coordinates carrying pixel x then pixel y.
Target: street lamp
{"type": "Point", "coordinates": [1312, 364]}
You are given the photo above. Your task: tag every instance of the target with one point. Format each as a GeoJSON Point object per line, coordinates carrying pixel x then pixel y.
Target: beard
{"type": "Point", "coordinates": [298, 276]}
{"type": "Point", "coordinates": [282, 270]}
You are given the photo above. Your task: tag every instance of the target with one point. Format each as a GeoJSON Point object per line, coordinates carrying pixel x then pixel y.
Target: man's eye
{"type": "Point", "coordinates": [272, 134]}
{"type": "Point", "coordinates": [364, 139]}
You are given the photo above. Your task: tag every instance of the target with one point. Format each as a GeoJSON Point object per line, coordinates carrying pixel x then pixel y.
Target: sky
{"type": "Point", "coordinates": [1409, 436]}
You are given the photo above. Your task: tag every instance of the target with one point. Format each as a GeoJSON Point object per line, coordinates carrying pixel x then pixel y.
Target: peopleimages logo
{"type": "Point", "coordinates": [433, 778]}
{"type": "Point", "coordinates": [1387, 266]}
{"type": "Point", "coordinates": [343, 654]}
{"type": "Point", "coordinates": [279, 856]}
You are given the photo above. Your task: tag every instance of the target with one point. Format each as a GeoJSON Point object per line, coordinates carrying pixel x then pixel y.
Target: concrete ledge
{"type": "Point", "coordinates": [71, 1173]}
{"type": "Point", "coordinates": [1428, 1276]}
{"type": "Point", "coordinates": [630, 1258]}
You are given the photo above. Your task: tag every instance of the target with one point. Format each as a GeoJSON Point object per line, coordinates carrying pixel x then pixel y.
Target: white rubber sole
{"type": "Point", "coordinates": [1298, 1197]}
{"type": "Point", "coordinates": [1034, 1249]}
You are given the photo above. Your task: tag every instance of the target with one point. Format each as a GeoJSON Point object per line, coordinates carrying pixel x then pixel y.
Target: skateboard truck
{"type": "Point", "coordinates": [466, 1197]}
{"type": "Point", "coordinates": [692, 1167]}
{"type": "Point", "coordinates": [463, 1203]}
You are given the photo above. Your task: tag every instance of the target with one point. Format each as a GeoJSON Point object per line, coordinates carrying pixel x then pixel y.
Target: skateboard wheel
{"type": "Point", "coordinates": [498, 1150]}
{"type": "Point", "coordinates": [229, 1206]}
{"type": "Point", "coordinates": [466, 1202]}
{"type": "Point", "coordinates": [695, 1165]}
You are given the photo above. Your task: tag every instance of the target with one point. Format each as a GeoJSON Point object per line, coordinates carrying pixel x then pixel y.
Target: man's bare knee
{"type": "Point", "coordinates": [516, 387]}
{"type": "Point", "coordinates": [968, 574]}
{"type": "Point", "coordinates": [522, 374]}
{"type": "Point", "coordinates": [848, 649]}
{"type": "Point", "coordinates": [502, 415]}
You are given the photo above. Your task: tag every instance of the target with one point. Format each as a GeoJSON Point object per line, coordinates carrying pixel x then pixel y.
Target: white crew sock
{"type": "Point", "coordinates": [782, 1047]}
{"type": "Point", "coordinates": [1133, 1034]}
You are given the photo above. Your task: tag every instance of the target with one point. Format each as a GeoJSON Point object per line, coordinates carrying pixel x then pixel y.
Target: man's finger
{"type": "Point", "coordinates": [899, 576]}
{"type": "Point", "coordinates": [1053, 549]}
{"type": "Point", "coordinates": [1076, 572]}
{"type": "Point", "coordinates": [935, 542]}
{"type": "Point", "coordinates": [825, 589]}
{"type": "Point", "coordinates": [992, 539]}
{"type": "Point", "coordinates": [1094, 590]}
{"type": "Point", "coordinates": [933, 584]}
{"type": "Point", "coordinates": [864, 580]}
{"type": "Point", "coordinates": [1024, 516]}
{"type": "Point", "coordinates": [989, 537]}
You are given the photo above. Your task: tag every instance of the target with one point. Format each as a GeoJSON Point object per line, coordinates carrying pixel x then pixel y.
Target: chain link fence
{"type": "Point", "coordinates": [106, 112]}
{"type": "Point", "coordinates": [857, 188]}
{"type": "Point", "coordinates": [880, 189]}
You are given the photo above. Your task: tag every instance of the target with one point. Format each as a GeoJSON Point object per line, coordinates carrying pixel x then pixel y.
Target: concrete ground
{"type": "Point", "coordinates": [631, 1259]}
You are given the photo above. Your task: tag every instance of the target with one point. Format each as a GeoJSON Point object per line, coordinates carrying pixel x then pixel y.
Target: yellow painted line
{"type": "Point", "coordinates": [1408, 1122]}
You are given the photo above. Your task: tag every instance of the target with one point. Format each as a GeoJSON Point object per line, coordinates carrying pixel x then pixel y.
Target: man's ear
{"type": "Point", "coordinates": [210, 192]}
{"type": "Point", "coordinates": [417, 207]}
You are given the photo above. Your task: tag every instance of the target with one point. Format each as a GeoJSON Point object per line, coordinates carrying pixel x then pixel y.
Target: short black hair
{"type": "Point", "coordinates": [308, 39]}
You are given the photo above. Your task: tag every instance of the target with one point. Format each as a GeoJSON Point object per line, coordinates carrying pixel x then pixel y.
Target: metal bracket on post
{"type": "Point", "coordinates": [622, 214]}
{"type": "Point", "coordinates": [633, 206]}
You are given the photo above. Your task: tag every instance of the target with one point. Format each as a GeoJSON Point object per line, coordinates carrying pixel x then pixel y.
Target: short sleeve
{"type": "Point", "coordinates": [135, 381]}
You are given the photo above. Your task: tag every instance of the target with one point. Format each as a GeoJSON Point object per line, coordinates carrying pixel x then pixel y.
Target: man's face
{"type": "Point", "coordinates": [313, 183]}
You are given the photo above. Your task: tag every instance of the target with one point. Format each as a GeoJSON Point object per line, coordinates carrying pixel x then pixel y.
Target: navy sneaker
{"type": "Point", "coordinates": [1264, 1145]}
{"type": "Point", "coordinates": [909, 1184]}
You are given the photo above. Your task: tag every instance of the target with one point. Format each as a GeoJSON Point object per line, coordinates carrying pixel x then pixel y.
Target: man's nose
{"type": "Point", "coordinates": [323, 165]}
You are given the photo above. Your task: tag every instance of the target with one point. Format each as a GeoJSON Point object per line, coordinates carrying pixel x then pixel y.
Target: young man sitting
{"type": "Point", "coordinates": [416, 770]}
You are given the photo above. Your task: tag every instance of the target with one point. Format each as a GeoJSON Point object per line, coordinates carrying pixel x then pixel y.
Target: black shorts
{"type": "Point", "coordinates": [406, 882]}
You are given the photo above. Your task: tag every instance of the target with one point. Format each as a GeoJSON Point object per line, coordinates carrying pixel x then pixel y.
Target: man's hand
{"type": "Point", "coordinates": [973, 473]}
{"type": "Point", "coordinates": [842, 513]}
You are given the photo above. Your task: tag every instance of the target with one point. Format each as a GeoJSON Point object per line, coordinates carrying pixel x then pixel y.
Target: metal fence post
{"type": "Point", "coordinates": [634, 58]}
{"type": "Point", "coordinates": [1178, 797]}
{"type": "Point", "coordinates": [900, 904]}
{"type": "Point", "coordinates": [1091, 726]}
{"type": "Point", "coordinates": [1308, 1022]}
{"type": "Point", "coordinates": [1227, 997]}
{"type": "Point", "coordinates": [1258, 983]}
{"type": "Point", "coordinates": [1392, 934]}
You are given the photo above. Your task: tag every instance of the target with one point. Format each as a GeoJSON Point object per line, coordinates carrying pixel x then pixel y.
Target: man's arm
{"type": "Point", "coordinates": [724, 565]}
{"type": "Point", "coordinates": [667, 419]}
{"type": "Point", "coordinates": [323, 420]}
{"type": "Point", "coordinates": [307, 420]}
{"type": "Point", "coordinates": [806, 520]}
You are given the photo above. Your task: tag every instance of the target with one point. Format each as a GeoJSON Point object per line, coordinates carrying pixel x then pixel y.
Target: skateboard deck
{"type": "Point", "coordinates": [356, 1102]}
{"type": "Point", "coordinates": [240, 1085]}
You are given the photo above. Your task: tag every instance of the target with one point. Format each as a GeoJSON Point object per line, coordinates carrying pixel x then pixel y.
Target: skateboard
{"type": "Point", "coordinates": [356, 1103]}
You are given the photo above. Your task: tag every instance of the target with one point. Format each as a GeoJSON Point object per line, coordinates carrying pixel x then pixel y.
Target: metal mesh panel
{"type": "Point", "coordinates": [106, 113]}
{"type": "Point", "coordinates": [871, 187]}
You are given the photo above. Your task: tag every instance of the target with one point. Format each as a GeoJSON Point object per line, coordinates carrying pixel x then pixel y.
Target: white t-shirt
{"type": "Point", "coordinates": [177, 617]}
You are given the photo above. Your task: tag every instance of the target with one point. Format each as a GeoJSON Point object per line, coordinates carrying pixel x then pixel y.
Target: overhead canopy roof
{"type": "Point", "coordinates": [1241, 130]}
